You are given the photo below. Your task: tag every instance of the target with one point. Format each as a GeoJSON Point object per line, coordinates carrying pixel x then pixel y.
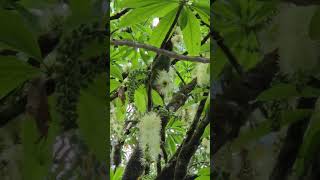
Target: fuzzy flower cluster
{"type": "Point", "coordinates": [164, 82]}
{"type": "Point", "coordinates": [201, 72]}
{"type": "Point", "coordinates": [150, 126]}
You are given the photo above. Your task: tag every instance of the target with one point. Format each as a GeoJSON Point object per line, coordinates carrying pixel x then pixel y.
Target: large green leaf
{"type": "Point", "coordinates": [278, 92]}
{"type": "Point", "coordinates": [118, 174]}
{"type": "Point", "coordinates": [310, 145]}
{"type": "Point", "coordinates": [14, 72]}
{"type": "Point", "coordinates": [116, 72]}
{"type": "Point", "coordinates": [203, 9]}
{"type": "Point", "coordinates": [143, 13]}
{"type": "Point", "coordinates": [81, 12]}
{"type": "Point", "coordinates": [286, 118]}
{"type": "Point", "coordinates": [156, 98]}
{"type": "Point", "coordinates": [140, 99]}
{"type": "Point", "coordinates": [314, 29]}
{"type": "Point", "coordinates": [160, 32]}
{"type": "Point", "coordinates": [191, 32]}
{"type": "Point", "coordinates": [140, 3]}
{"type": "Point", "coordinates": [92, 117]}
{"type": "Point", "coordinates": [114, 84]}
{"type": "Point", "coordinates": [15, 33]}
{"type": "Point", "coordinates": [37, 157]}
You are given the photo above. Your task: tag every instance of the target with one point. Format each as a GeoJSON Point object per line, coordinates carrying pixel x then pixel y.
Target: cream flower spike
{"type": "Point", "coordinates": [150, 126]}
{"type": "Point", "coordinates": [201, 72]}
{"type": "Point", "coordinates": [164, 82]}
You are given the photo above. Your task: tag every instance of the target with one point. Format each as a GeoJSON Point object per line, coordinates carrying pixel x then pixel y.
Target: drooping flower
{"type": "Point", "coordinates": [164, 82]}
{"type": "Point", "coordinates": [201, 72]}
{"type": "Point", "coordinates": [150, 126]}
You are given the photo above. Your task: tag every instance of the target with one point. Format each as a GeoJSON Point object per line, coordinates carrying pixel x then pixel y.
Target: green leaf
{"type": "Point", "coordinates": [286, 118]}
{"type": "Point", "coordinates": [13, 72]}
{"type": "Point", "coordinates": [81, 12]}
{"type": "Point", "coordinates": [191, 32]}
{"type": "Point", "coordinates": [160, 32]}
{"type": "Point", "coordinates": [114, 84]}
{"type": "Point", "coordinates": [140, 99]}
{"type": "Point", "coordinates": [314, 28]}
{"type": "Point", "coordinates": [278, 92]}
{"type": "Point", "coordinates": [310, 145]}
{"type": "Point", "coordinates": [15, 33]}
{"type": "Point", "coordinates": [116, 72]}
{"type": "Point", "coordinates": [156, 98]}
{"type": "Point", "coordinates": [37, 158]}
{"type": "Point", "coordinates": [140, 3]}
{"type": "Point", "coordinates": [203, 9]}
{"type": "Point", "coordinates": [92, 117]}
{"type": "Point", "coordinates": [35, 162]}
{"type": "Point", "coordinates": [93, 49]}
{"type": "Point", "coordinates": [118, 174]}
{"type": "Point", "coordinates": [204, 171]}
{"type": "Point", "coordinates": [141, 14]}
{"type": "Point", "coordinates": [310, 92]}
{"type": "Point", "coordinates": [203, 178]}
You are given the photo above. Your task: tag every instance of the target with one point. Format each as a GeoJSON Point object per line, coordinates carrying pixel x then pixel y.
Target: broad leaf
{"type": "Point", "coordinates": [314, 29]}
{"type": "Point", "coordinates": [140, 99]}
{"type": "Point", "coordinates": [92, 117]}
{"type": "Point", "coordinates": [141, 14]}
{"type": "Point", "coordinates": [14, 72]}
{"type": "Point", "coordinates": [160, 32]}
{"type": "Point", "coordinates": [264, 128]}
{"type": "Point", "coordinates": [114, 85]}
{"type": "Point", "coordinates": [140, 3]}
{"type": "Point", "coordinates": [15, 33]}
{"type": "Point", "coordinates": [81, 12]}
{"type": "Point", "coordinates": [156, 98]}
{"type": "Point", "coordinates": [37, 158]}
{"type": "Point", "coordinates": [191, 32]}
{"type": "Point", "coordinates": [310, 145]}
{"type": "Point", "coordinates": [203, 9]}
{"type": "Point", "coordinates": [278, 92]}
{"type": "Point", "coordinates": [116, 72]}
{"type": "Point", "coordinates": [118, 174]}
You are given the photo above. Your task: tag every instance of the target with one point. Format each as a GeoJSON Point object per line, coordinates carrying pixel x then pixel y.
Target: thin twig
{"type": "Point", "coordinates": [159, 51]}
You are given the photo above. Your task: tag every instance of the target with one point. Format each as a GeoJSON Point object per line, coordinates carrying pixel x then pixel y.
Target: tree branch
{"type": "Point", "coordinates": [159, 51]}
{"type": "Point", "coordinates": [230, 110]}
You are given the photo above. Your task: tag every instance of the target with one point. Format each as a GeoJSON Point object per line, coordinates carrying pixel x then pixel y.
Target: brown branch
{"type": "Point", "coordinates": [191, 143]}
{"type": "Point", "coordinates": [159, 51]}
{"type": "Point", "coordinates": [230, 110]}
{"type": "Point", "coordinates": [203, 41]}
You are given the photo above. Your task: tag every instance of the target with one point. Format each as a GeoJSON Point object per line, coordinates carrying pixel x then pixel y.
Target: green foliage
{"type": "Point", "coordinates": [140, 14]}
{"type": "Point", "coordinates": [160, 32]}
{"type": "Point", "coordinates": [140, 99]}
{"type": "Point", "coordinates": [179, 20]}
{"type": "Point", "coordinates": [204, 174]}
{"type": "Point", "coordinates": [310, 144]}
{"type": "Point", "coordinates": [92, 125]}
{"type": "Point", "coordinates": [14, 72]}
{"type": "Point", "coordinates": [15, 33]}
{"type": "Point", "coordinates": [190, 27]}
{"type": "Point", "coordinates": [117, 175]}
{"type": "Point", "coordinates": [314, 29]}
{"type": "Point", "coordinates": [37, 155]}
